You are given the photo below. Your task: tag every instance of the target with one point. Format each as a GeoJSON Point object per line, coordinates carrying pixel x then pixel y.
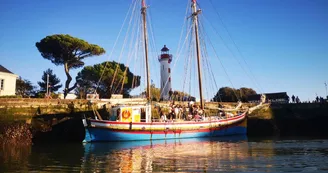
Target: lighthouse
{"type": "Point", "coordinates": [165, 60]}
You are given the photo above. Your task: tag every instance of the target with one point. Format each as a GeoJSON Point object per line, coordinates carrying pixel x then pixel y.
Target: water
{"type": "Point", "coordinates": [236, 154]}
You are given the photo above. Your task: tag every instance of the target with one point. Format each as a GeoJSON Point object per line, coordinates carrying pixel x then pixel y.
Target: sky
{"type": "Point", "coordinates": [270, 46]}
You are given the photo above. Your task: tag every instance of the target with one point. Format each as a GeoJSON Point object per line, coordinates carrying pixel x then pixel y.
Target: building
{"type": "Point", "coordinates": [69, 96]}
{"type": "Point", "coordinates": [275, 98]}
{"type": "Point", "coordinates": [7, 82]}
{"type": "Point", "coordinates": [165, 60]}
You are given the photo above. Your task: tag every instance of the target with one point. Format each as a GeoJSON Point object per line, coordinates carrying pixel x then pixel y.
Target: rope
{"type": "Point", "coordinates": [179, 49]}
{"type": "Point", "coordinates": [208, 65]}
{"type": "Point", "coordinates": [126, 16]}
{"type": "Point", "coordinates": [124, 43]}
{"type": "Point", "coordinates": [224, 69]}
{"type": "Point", "coordinates": [178, 56]}
{"type": "Point", "coordinates": [124, 75]}
{"type": "Point", "coordinates": [132, 48]}
{"type": "Point", "coordinates": [251, 76]}
{"type": "Point", "coordinates": [152, 43]}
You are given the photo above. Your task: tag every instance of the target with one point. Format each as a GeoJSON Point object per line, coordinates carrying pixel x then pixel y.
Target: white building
{"type": "Point", "coordinates": [165, 59]}
{"type": "Point", "coordinates": [69, 96]}
{"type": "Point", "coordinates": [7, 82]}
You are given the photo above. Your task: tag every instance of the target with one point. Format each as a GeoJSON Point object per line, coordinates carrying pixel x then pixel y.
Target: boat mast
{"type": "Point", "coordinates": [143, 12]}
{"type": "Point", "coordinates": [195, 13]}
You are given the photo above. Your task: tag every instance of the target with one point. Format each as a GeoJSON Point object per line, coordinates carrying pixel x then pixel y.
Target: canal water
{"type": "Point", "coordinates": [233, 154]}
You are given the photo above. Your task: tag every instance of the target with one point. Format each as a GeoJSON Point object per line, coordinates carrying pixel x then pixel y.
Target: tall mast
{"type": "Point", "coordinates": [195, 13]}
{"type": "Point", "coordinates": [143, 12]}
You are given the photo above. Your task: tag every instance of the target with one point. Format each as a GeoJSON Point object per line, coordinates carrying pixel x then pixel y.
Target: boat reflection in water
{"type": "Point", "coordinates": [233, 154]}
{"type": "Point", "coordinates": [194, 154]}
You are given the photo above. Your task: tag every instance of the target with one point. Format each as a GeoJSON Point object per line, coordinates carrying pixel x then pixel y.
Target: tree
{"type": "Point", "coordinates": [155, 92]}
{"type": "Point", "coordinates": [227, 94]}
{"type": "Point", "coordinates": [53, 81]}
{"type": "Point", "coordinates": [69, 51]}
{"type": "Point", "coordinates": [245, 92]}
{"type": "Point", "coordinates": [182, 96]}
{"type": "Point", "coordinates": [100, 76]}
{"type": "Point", "coordinates": [24, 87]}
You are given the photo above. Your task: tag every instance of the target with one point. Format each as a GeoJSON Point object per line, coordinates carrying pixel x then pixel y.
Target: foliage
{"type": "Point", "coordinates": [227, 94]}
{"type": "Point", "coordinates": [155, 92]}
{"type": "Point", "coordinates": [82, 90]}
{"type": "Point", "coordinates": [69, 51]}
{"type": "Point", "coordinates": [24, 88]}
{"type": "Point", "coordinates": [100, 76]}
{"type": "Point", "coordinates": [182, 96]}
{"type": "Point", "coordinates": [53, 82]}
{"type": "Point", "coordinates": [245, 92]}
{"type": "Point", "coordinates": [176, 95]}
{"type": "Point", "coordinates": [42, 94]}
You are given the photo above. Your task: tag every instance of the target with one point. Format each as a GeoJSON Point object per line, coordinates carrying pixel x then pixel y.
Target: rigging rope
{"type": "Point", "coordinates": [111, 53]}
{"type": "Point", "coordinates": [178, 56]}
{"type": "Point", "coordinates": [124, 43]}
{"type": "Point", "coordinates": [179, 49]}
{"type": "Point", "coordinates": [152, 43]}
{"type": "Point", "coordinates": [251, 76]}
{"type": "Point", "coordinates": [224, 69]}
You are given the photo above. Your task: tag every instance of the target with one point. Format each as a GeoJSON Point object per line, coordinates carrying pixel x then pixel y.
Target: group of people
{"type": "Point", "coordinates": [295, 99]}
{"type": "Point", "coordinates": [317, 100]}
{"type": "Point", "coordinates": [190, 112]}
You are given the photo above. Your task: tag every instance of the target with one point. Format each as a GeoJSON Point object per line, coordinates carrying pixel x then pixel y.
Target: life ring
{"type": "Point", "coordinates": [126, 114]}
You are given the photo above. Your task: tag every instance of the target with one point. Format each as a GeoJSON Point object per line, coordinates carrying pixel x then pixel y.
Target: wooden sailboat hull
{"type": "Point", "coordinates": [97, 130]}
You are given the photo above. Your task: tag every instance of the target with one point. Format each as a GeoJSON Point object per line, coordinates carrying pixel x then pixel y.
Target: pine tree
{"type": "Point", "coordinates": [53, 82]}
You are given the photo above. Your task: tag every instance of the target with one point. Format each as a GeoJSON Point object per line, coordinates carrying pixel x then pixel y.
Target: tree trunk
{"type": "Point", "coordinates": [68, 81]}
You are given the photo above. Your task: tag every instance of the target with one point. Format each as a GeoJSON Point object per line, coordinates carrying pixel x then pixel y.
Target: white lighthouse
{"type": "Point", "coordinates": [165, 59]}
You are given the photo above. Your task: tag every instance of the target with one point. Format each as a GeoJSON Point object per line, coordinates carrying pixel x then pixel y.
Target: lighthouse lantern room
{"type": "Point", "coordinates": [165, 60]}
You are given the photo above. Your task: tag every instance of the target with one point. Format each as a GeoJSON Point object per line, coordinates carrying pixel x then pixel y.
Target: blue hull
{"type": "Point", "coordinates": [100, 148]}
{"type": "Point", "coordinates": [103, 134]}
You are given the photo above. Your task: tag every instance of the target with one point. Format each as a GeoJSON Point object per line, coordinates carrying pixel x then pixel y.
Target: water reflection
{"type": "Point", "coordinates": [233, 154]}
{"type": "Point", "coordinates": [56, 157]}
{"type": "Point", "coordinates": [166, 155]}
{"type": "Point", "coordinates": [13, 156]}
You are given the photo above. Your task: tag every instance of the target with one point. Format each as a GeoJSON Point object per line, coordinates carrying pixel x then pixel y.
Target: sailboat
{"type": "Point", "coordinates": [134, 122]}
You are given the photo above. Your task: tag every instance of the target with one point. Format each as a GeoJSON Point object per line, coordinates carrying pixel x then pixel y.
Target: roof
{"type": "Point", "coordinates": [279, 95]}
{"type": "Point", "coordinates": [3, 69]}
{"type": "Point", "coordinates": [165, 49]}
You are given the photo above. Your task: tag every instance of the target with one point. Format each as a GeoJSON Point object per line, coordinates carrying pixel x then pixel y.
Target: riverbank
{"type": "Point", "coordinates": [303, 119]}
{"type": "Point", "coordinates": [15, 109]}
{"type": "Point", "coordinates": [275, 120]}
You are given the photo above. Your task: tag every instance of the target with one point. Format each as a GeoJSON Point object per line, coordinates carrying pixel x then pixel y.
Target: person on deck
{"type": "Point", "coordinates": [163, 117]}
{"type": "Point", "coordinates": [176, 112]}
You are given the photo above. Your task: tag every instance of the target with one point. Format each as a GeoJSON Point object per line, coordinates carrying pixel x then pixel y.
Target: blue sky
{"type": "Point", "coordinates": [285, 43]}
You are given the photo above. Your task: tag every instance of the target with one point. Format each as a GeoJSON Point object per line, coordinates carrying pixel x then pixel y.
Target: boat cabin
{"type": "Point", "coordinates": [131, 113]}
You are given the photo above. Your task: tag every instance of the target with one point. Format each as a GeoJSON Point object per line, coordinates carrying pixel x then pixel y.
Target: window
{"type": "Point", "coordinates": [169, 79]}
{"type": "Point", "coordinates": [169, 69]}
{"type": "Point", "coordinates": [2, 81]}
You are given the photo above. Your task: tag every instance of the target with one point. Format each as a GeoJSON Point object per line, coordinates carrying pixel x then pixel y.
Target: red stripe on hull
{"type": "Point", "coordinates": [169, 131]}
{"type": "Point", "coordinates": [166, 123]}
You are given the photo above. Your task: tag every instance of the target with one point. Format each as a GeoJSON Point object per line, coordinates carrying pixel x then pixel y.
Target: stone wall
{"type": "Point", "coordinates": [290, 120]}
{"type": "Point", "coordinates": [23, 108]}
